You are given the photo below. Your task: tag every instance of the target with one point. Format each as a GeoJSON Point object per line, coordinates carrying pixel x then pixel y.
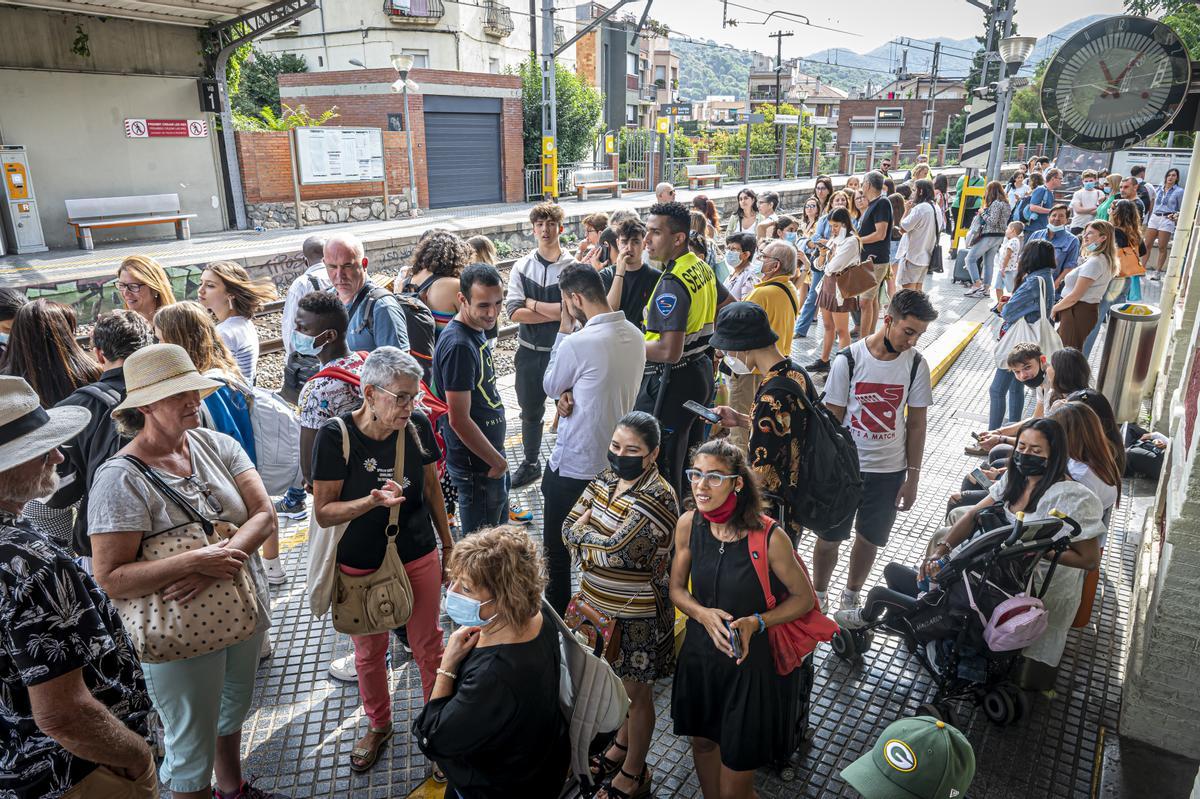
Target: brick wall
{"type": "Point", "coordinates": [371, 110]}
{"type": "Point", "coordinates": [585, 58]}
{"type": "Point", "coordinates": [266, 163]}
{"type": "Point", "coordinates": [910, 133]}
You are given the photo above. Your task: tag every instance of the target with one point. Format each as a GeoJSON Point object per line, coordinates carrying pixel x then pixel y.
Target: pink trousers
{"type": "Point", "coordinates": [424, 636]}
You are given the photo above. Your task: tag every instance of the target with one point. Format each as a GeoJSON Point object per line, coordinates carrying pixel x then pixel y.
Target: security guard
{"type": "Point", "coordinates": [679, 322]}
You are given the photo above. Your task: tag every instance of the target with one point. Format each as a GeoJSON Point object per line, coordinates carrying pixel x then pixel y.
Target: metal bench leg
{"type": "Point", "coordinates": [183, 230]}
{"type": "Point", "coordinates": [85, 238]}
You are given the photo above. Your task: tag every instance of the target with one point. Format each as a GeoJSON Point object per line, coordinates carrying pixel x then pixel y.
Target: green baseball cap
{"type": "Point", "coordinates": [914, 758]}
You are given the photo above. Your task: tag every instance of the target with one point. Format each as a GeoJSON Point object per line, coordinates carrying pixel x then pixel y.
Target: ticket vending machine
{"type": "Point", "coordinates": [18, 211]}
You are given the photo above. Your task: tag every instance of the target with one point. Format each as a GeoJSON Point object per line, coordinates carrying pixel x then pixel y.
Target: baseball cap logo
{"type": "Point", "coordinates": [899, 756]}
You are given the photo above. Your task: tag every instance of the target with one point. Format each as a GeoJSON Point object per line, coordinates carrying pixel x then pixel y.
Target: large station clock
{"type": "Point", "coordinates": [1115, 82]}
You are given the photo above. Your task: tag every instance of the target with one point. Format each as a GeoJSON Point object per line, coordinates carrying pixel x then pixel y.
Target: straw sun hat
{"type": "Point", "coordinates": [160, 371]}
{"type": "Point", "coordinates": [27, 430]}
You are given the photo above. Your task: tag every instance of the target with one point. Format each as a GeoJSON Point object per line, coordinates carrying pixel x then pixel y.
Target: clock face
{"type": "Point", "coordinates": [1115, 83]}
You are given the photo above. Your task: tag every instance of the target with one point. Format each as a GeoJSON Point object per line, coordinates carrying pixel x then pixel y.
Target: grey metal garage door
{"type": "Point", "coordinates": [462, 149]}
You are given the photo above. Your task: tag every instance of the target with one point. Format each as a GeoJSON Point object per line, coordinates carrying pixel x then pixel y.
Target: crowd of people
{"type": "Point", "coordinates": [139, 535]}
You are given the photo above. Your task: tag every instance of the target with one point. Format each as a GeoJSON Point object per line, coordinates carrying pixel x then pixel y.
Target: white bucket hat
{"type": "Point", "coordinates": [27, 430]}
{"type": "Point", "coordinates": [160, 371]}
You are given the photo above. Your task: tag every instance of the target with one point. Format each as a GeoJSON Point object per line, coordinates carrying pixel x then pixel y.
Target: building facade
{"type": "Point", "coordinates": [489, 36]}
{"type": "Point", "coordinates": [885, 123]}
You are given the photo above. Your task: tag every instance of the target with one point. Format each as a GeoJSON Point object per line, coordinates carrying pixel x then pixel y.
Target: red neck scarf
{"type": "Point", "coordinates": [724, 513]}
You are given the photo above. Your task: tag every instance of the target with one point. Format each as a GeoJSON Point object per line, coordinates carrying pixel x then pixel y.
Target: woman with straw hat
{"type": "Point", "coordinates": [171, 475]}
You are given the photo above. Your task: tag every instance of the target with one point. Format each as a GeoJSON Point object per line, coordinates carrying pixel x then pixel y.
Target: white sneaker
{"type": "Point", "coordinates": [850, 600]}
{"type": "Point", "coordinates": [266, 649]}
{"type": "Point", "coordinates": [275, 573]}
{"type": "Point", "coordinates": [343, 669]}
{"type": "Point", "coordinates": [850, 618]}
{"type": "Point", "coordinates": [823, 602]}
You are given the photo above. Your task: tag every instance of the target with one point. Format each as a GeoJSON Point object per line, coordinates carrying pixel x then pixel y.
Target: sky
{"type": "Point", "coordinates": [955, 19]}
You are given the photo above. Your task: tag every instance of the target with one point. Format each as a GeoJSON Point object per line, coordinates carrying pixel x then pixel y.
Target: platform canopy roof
{"type": "Point", "coordinates": [198, 13]}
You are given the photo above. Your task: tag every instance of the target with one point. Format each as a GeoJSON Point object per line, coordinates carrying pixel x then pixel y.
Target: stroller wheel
{"type": "Point", "coordinates": [942, 711]}
{"type": "Point", "coordinates": [787, 773]}
{"type": "Point", "coordinates": [999, 706]}
{"type": "Point", "coordinates": [845, 646]}
{"type": "Point", "coordinates": [1020, 700]}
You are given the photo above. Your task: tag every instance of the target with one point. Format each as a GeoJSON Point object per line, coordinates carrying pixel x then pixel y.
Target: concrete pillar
{"type": "Point", "coordinates": [896, 156]}
{"type": "Point", "coordinates": [845, 166]}
{"type": "Point", "coordinates": [1021, 153]}
{"type": "Point", "coordinates": [941, 155]}
{"type": "Point", "coordinates": [652, 167]}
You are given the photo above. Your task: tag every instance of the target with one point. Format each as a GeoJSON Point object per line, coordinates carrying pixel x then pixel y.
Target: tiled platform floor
{"type": "Point", "coordinates": [304, 723]}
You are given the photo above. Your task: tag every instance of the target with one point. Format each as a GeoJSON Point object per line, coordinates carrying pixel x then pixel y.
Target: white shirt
{"type": "Point", "coordinates": [1013, 246]}
{"type": "Point", "coordinates": [601, 365]}
{"type": "Point", "coordinates": [1082, 473]}
{"type": "Point", "coordinates": [239, 335]}
{"type": "Point", "coordinates": [875, 397]}
{"type": "Point", "coordinates": [302, 285]}
{"type": "Point", "coordinates": [1097, 269]}
{"type": "Point", "coordinates": [1088, 199]}
{"type": "Point", "coordinates": [846, 253]}
{"type": "Point", "coordinates": [920, 235]}
{"type": "Point", "coordinates": [1017, 193]}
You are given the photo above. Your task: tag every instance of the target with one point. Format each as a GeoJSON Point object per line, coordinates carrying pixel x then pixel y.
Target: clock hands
{"type": "Point", "coordinates": [1114, 84]}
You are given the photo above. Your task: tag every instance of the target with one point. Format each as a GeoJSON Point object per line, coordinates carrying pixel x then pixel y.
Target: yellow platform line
{"type": "Point", "coordinates": [428, 790]}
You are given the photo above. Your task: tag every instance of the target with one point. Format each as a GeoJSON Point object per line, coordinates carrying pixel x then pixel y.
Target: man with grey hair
{"type": "Point", "coordinates": [664, 193]}
{"type": "Point", "coordinates": [875, 235]}
{"type": "Point", "coordinates": [75, 701]}
{"type": "Point", "coordinates": [376, 316]}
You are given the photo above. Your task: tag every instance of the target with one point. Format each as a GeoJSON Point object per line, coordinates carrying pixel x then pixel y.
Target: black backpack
{"type": "Point", "coordinates": [830, 487]}
{"type": "Point", "coordinates": [104, 445]}
{"type": "Point", "coordinates": [417, 317]}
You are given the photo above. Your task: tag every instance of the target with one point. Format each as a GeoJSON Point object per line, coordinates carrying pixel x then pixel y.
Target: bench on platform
{"type": "Point", "coordinates": [107, 212]}
{"type": "Point", "coordinates": [700, 174]}
{"type": "Point", "coordinates": [587, 180]}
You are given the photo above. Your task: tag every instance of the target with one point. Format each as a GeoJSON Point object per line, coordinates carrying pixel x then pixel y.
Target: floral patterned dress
{"type": "Point", "coordinates": [624, 551]}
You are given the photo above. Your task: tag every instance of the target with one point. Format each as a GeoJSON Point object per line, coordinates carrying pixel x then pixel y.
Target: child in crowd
{"type": "Point", "coordinates": [1010, 253]}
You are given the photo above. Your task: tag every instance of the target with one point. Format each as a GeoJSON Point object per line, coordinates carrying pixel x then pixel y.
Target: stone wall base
{"type": "Point", "coordinates": [270, 216]}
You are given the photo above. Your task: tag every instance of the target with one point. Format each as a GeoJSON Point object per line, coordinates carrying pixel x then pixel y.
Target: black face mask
{"type": "Point", "coordinates": [887, 343]}
{"type": "Point", "coordinates": [627, 467]}
{"type": "Point", "coordinates": [1036, 380]}
{"type": "Point", "coordinates": [1029, 465]}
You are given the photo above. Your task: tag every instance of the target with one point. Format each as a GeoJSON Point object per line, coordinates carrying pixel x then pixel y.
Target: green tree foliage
{"type": "Point", "coordinates": [267, 119]}
{"type": "Point", "coordinates": [709, 69]}
{"type": "Point", "coordinates": [579, 108]}
{"type": "Point", "coordinates": [762, 135]}
{"type": "Point", "coordinates": [259, 81]}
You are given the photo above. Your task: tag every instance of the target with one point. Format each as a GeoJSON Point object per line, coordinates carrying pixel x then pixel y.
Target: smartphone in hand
{"type": "Point", "coordinates": [707, 414]}
{"type": "Point", "coordinates": [735, 641]}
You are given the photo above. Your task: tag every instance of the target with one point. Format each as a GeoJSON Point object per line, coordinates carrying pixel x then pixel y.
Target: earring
{"type": "Point", "coordinates": [230, 301]}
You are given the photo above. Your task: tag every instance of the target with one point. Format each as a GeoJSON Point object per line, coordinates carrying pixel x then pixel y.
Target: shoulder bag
{"type": "Point", "coordinates": [857, 278]}
{"type": "Point", "coordinates": [322, 546]}
{"type": "Point", "coordinates": [1130, 265]}
{"type": "Point", "coordinates": [224, 614]}
{"type": "Point", "coordinates": [382, 600]}
{"type": "Point", "coordinates": [792, 641]}
{"type": "Point", "coordinates": [1041, 332]}
{"type": "Point", "coordinates": [936, 266]}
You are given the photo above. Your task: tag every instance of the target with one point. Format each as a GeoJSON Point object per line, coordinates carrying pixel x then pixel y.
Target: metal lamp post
{"type": "Point", "coordinates": [1014, 50]}
{"type": "Point", "coordinates": [403, 64]}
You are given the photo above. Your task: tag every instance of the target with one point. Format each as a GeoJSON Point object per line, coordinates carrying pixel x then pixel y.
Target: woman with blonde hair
{"type": "Point", "coordinates": [493, 722]}
{"type": "Point", "coordinates": [1085, 286]}
{"type": "Point", "coordinates": [144, 286]}
{"type": "Point", "coordinates": [919, 172]}
{"type": "Point", "coordinates": [484, 250]}
{"type": "Point", "coordinates": [1112, 191]}
{"type": "Point", "coordinates": [1127, 240]}
{"type": "Point", "coordinates": [227, 290]}
{"type": "Point", "coordinates": [226, 410]}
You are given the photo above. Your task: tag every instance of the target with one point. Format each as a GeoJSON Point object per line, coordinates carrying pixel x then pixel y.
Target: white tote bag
{"type": "Point", "coordinates": [322, 549]}
{"type": "Point", "coordinates": [1041, 332]}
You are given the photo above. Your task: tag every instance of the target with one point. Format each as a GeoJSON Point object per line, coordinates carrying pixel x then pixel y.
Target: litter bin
{"type": "Point", "coordinates": [1128, 353]}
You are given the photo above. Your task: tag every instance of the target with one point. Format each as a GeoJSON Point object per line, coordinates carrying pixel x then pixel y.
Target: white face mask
{"type": "Point", "coordinates": [736, 365]}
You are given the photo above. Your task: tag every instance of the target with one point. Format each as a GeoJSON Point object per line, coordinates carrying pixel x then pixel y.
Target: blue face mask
{"type": "Point", "coordinates": [790, 236]}
{"type": "Point", "coordinates": [1093, 247]}
{"type": "Point", "coordinates": [306, 344]}
{"type": "Point", "coordinates": [1056, 228]}
{"type": "Point", "coordinates": [3, 339]}
{"type": "Point", "coordinates": [732, 258]}
{"type": "Point", "coordinates": [463, 610]}
{"type": "Point", "coordinates": [1089, 185]}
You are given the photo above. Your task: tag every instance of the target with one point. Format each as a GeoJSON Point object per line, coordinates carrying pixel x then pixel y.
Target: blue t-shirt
{"type": "Point", "coordinates": [1044, 198]}
{"type": "Point", "coordinates": [462, 361]}
{"type": "Point", "coordinates": [387, 326]}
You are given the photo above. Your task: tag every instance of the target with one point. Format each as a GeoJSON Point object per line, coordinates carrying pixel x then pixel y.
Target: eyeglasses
{"type": "Point", "coordinates": [130, 288]}
{"type": "Point", "coordinates": [404, 399]}
{"type": "Point", "coordinates": [206, 493]}
{"type": "Point", "coordinates": [710, 479]}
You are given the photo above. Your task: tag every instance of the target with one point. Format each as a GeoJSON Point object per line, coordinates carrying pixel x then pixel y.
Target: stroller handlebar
{"type": "Point", "coordinates": [1074, 525]}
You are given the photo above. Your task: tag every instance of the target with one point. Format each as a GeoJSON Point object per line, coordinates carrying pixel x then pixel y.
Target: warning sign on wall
{"type": "Point", "coordinates": [183, 128]}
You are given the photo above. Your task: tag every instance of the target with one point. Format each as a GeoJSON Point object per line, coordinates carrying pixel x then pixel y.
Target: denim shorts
{"type": "Point", "coordinates": [876, 513]}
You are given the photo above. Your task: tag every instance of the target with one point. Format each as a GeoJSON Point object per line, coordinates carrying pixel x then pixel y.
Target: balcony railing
{"type": "Point", "coordinates": [497, 19]}
{"type": "Point", "coordinates": [423, 12]}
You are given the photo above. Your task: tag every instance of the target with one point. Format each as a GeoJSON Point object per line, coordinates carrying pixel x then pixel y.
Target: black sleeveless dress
{"type": "Point", "coordinates": [748, 710]}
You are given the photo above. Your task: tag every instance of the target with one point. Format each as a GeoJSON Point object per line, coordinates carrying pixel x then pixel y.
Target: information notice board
{"type": "Point", "coordinates": [340, 155]}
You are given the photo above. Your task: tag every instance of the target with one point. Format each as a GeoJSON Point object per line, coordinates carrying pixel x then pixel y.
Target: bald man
{"type": "Point", "coordinates": [664, 193]}
{"type": "Point", "coordinates": [376, 318]}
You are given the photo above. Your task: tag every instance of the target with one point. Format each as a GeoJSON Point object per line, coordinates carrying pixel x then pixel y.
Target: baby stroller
{"type": "Point", "coordinates": [942, 629]}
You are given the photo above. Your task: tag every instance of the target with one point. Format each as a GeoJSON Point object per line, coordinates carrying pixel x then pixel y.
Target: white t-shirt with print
{"type": "Point", "coordinates": [875, 397]}
{"type": "Point", "coordinates": [239, 335]}
{"type": "Point", "coordinates": [1012, 246]}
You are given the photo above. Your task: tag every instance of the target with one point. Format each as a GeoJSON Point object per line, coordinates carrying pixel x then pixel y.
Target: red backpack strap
{"type": "Point", "coordinates": [338, 373]}
{"type": "Point", "coordinates": [759, 541]}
